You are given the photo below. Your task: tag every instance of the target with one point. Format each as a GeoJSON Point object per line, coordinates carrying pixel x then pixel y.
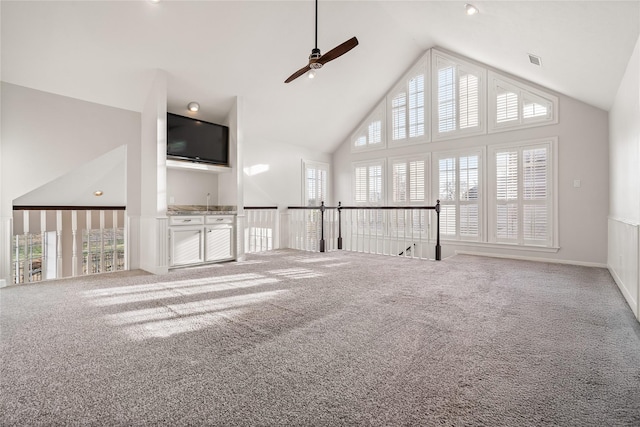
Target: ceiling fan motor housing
{"type": "Point", "coordinates": [313, 59]}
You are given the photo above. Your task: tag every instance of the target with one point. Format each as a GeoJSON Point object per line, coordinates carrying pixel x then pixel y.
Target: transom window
{"type": "Point", "coordinates": [514, 104]}
{"type": "Point", "coordinates": [370, 134]}
{"type": "Point", "coordinates": [407, 104]}
{"type": "Point", "coordinates": [458, 97]}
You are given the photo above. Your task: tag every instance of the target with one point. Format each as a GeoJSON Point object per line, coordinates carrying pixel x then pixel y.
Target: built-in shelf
{"type": "Point", "coordinates": [179, 164]}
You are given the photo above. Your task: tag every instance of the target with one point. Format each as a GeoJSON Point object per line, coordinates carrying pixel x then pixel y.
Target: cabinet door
{"type": "Point", "coordinates": [186, 245]}
{"type": "Point", "coordinates": [219, 242]}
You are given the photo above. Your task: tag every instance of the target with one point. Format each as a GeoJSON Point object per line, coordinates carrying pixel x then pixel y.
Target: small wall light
{"type": "Point", "coordinates": [471, 9]}
{"type": "Point", "coordinates": [193, 106]}
{"type": "Point", "coordinates": [98, 193]}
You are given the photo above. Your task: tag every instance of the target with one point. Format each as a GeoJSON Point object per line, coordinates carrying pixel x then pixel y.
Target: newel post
{"type": "Point", "coordinates": [322, 208]}
{"type": "Point", "coordinates": [339, 225]}
{"type": "Point", "coordinates": [438, 248]}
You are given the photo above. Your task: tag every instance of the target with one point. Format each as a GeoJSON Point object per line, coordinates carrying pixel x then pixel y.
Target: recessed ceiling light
{"type": "Point", "coordinates": [471, 9]}
{"type": "Point", "coordinates": [535, 60]}
{"type": "Point", "coordinates": [193, 106]}
{"type": "Point", "coordinates": [98, 193]}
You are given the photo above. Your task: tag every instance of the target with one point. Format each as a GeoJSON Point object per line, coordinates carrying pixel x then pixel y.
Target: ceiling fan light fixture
{"type": "Point", "coordinates": [311, 74]}
{"type": "Point", "coordinates": [193, 106]}
{"type": "Point", "coordinates": [471, 9]}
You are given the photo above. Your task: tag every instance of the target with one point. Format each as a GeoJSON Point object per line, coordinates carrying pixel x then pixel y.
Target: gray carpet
{"type": "Point", "coordinates": [295, 338]}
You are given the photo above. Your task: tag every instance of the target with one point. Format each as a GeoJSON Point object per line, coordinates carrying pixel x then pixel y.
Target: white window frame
{"type": "Point", "coordinates": [306, 166]}
{"type": "Point", "coordinates": [407, 160]}
{"type": "Point", "coordinates": [457, 202]}
{"type": "Point", "coordinates": [439, 59]}
{"type": "Point", "coordinates": [551, 144]}
{"type": "Point", "coordinates": [522, 90]}
{"type": "Point", "coordinates": [368, 165]}
{"type": "Point", "coordinates": [420, 67]}
{"type": "Point", "coordinates": [363, 139]}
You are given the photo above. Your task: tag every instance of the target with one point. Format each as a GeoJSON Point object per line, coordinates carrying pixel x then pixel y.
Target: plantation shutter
{"type": "Point", "coordinates": [506, 105]}
{"type": "Point", "coordinates": [399, 182]}
{"type": "Point", "coordinates": [523, 195]}
{"type": "Point", "coordinates": [416, 181]}
{"type": "Point", "coordinates": [375, 184]}
{"type": "Point", "coordinates": [369, 135]}
{"type": "Point", "coordinates": [507, 195]}
{"type": "Point", "coordinates": [408, 181]}
{"type": "Point", "coordinates": [534, 163]}
{"type": "Point", "coordinates": [459, 88]}
{"type": "Point", "coordinates": [399, 116]}
{"type": "Point", "coordinates": [316, 185]}
{"type": "Point", "coordinates": [360, 176]}
{"type": "Point", "coordinates": [468, 195]}
{"type": "Point", "coordinates": [447, 195]}
{"type": "Point", "coordinates": [368, 183]}
{"type": "Point", "coordinates": [515, 104]}
{"type": "Point", "coordinates": [469, 91]}
{"type": "Point", "coordinates": [535, 107]}
{"type": "Point", "coordinates": [446, 99]}
{"type": "Point", "coordinates": [416, 106]}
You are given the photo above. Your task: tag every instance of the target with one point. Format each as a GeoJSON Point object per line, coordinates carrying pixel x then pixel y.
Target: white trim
{"type": "Point", "coordinates": [368, 163]}
{"type": "Point", "coordinates": [378, 113]}
{"type": "Point", "coordinates": [552, 174]}
{"type": "Point", "coordinates": [426, 158]}
{"type": "Point", "coordinates": [478, 70]}
{"type": "Point", "coordinates": [317, 165]}
{"type": "Point", "coordinates": [421, 66]}
{"type": "Point", "coordinates": [525, 258]}
{"type": "Point", "coordinates": [522, 88]}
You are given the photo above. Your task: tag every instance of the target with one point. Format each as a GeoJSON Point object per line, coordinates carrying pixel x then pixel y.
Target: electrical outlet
{"type": "Point", "coordinates": [172, 199]}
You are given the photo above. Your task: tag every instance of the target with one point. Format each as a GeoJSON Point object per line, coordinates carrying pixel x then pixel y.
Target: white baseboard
{"type": "Point", "coordinates": [625, 292]}
{"type": "Point", "coordinates": [527, 258]}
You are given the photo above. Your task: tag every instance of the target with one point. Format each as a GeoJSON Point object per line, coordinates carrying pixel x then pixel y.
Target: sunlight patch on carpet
{"type": "Point", "coordinates": [296, 273]}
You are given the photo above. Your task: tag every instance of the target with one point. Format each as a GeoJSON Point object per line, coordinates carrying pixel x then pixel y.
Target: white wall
{"type": "Point", "coordinates": [582, 133]}
{"type": "Point", "coordinates": [273, 172]}
{"type": "Point", "coordinates": [624, 201]}
{"type": "Point", "coordinates": [45, 136]}
{"type": "Point", "coordinates": [189, 187]}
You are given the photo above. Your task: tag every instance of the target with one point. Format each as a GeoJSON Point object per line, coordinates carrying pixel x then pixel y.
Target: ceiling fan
{"type": "Point", "coordinates": [317, 60]}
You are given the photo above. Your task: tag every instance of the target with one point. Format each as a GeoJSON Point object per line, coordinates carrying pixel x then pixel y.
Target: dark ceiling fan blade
{"type": "Point", "coordinates": [338, 50]}
{"type": "Point", "coordinates": [298, 73]}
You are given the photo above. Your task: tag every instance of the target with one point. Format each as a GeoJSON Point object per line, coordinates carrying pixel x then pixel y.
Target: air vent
{"type": "Point", "coordinates": [535, 60]}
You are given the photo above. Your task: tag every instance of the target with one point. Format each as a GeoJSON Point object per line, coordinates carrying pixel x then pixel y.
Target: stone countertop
{"type": "Point", "coordinates": [173, 210]}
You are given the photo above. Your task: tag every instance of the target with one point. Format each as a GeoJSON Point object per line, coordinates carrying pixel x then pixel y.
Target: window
{"type": "Point", "coordinates": [459, 190]}
{"type": "Point", "coordinates": [370, 134]}
{"type": "Point", "coordinates": [315, 183]}
{"type": "Point", "coordinates": [368, 183]}
{"type": "Point", "coordinates": [522, 194]}
{"type": "Point", "coordinates": [517, 105]}
{"type": "Point", "coordinates": [458, 89]}
{"type": "Point", "coordinates": [407, 105]}
{"type": "Point", "coordinates": [408, 185]}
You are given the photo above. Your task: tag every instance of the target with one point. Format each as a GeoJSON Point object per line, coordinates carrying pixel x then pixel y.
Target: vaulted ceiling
{"type": "Point", "coordinates": [212, 51]}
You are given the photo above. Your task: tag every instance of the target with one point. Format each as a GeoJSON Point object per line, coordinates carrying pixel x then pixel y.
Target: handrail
{"type": "Point", "coordinates": [259, 207]}
{"type": "Point", "coordinates": [340, 207]}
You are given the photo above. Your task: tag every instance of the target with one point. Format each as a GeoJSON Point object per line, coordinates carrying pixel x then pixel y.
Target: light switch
{"type": "Point", "coordinates": [172, 199]}
{"type": "Point", "coordinates": [576, 183]}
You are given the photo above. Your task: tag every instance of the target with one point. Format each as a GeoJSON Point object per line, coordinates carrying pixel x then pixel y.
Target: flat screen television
{"type": "Point", "coordinates": [197, 141]}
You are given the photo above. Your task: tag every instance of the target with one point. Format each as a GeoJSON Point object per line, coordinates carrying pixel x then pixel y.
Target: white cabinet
{"type": "Point", "coordinates": [219, 238]}
{"type": "Point", "coordinates": [197, 239]}
{"type": "Point", "coordinates": [186, 245]}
